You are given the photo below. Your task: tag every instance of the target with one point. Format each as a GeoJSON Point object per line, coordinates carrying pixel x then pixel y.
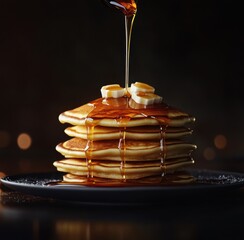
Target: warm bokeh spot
{"type": "Point", "coordinates": [24, 141]}
{"type": "Point", "coordinates": [220, 141]}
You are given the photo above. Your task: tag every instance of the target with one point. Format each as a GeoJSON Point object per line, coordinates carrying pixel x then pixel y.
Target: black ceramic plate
{"type": "Point", "coordinates": [206, 181]}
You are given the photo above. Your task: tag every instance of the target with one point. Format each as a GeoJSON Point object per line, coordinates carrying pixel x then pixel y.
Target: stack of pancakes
{"type": "Point", "coordinates": [120, 139]}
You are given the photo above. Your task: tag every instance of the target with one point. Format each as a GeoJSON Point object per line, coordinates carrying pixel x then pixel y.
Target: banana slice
{"type": "Point", "coordinates": [141, 87]}
{"type": "Point", "coordinates": [143, 93]}
{"type": "Point", "coordinates": [146, 98]}
{"type": "Point", "coordinates": [112, 91]}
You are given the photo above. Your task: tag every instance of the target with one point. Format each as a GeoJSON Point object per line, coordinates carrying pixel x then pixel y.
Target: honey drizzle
{"type": "Point", "coordinates": [129, 9]}
{"type": "Point", "coordinates": [122, 149]}
{"type": "Point", "coordinates": [90, 125]}
{"type": "Point", "coordinates": [129, 20]}
{"type": "Point", "coordinates": [163, 148]}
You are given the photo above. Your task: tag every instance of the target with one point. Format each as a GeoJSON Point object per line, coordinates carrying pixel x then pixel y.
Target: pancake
{"type": "Point", "coordinates": [113, 170]}
{"type": "Point", "coordinates": [119, 139]}
{"type": "Point", "coordinates": [118, 113]}
{"type": "Point", "coordinates": [135, 150]}
{"type": "Point", "coordinates": [175, 178]}
{"type": "Point", "coordinates": [145, 132]}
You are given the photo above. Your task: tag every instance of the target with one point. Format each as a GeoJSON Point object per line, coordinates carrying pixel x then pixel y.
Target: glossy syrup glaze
{"type": "Point", "coordinates": [120, 110]}
{"type": "Point", "coordinates": [124, 109]}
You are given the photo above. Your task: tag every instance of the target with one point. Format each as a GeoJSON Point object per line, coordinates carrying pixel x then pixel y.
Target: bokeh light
{"type": "Point", "coordinates": [24, 141]}
{"type": "Point", "coordinates": [220, 141]}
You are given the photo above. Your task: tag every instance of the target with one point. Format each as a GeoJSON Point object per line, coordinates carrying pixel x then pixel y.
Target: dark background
{"type": "Point", "coordinates": [56, 55]}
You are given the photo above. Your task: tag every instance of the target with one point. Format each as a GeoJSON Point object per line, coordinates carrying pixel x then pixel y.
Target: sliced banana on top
{"type": "Point", "coordinates": [112, 91]}
{"type": "Point", "coordinates": [141, 87]}
{"type": "Point", "coordinates": [146, 98]}
{"type": "Point", "coordinates": [141, 93]}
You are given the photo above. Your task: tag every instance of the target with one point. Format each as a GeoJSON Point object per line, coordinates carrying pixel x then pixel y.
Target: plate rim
{"type": "Point", "coordinates": [89, 192]}
{"type": "Point", "coordinates": [10, 180]}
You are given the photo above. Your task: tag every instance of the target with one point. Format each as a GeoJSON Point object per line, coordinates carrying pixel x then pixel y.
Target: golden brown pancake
{"type": "Point", "coordinates": [135, 150]}
{"type": "Point", "coordinates": [118, 113]}
{"type": "Point", "coordinates": [144, 132]}
{"type": "Point", "coordinates": [112, 169]}
{"type": "Point", "coordinates": [174, 178]}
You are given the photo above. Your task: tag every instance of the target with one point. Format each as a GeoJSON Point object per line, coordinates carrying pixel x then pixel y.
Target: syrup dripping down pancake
{"type": "Point", "coordinates": [120, 139]}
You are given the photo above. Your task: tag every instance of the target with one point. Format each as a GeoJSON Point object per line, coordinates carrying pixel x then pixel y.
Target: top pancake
{"type": "Point", "coordinates": [124, 112]}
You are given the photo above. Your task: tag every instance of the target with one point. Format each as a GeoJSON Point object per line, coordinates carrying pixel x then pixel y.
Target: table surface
{"type": "Point", "coordinates": [212, 216]}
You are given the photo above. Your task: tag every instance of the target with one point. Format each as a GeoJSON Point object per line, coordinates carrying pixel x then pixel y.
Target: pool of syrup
{"type": "Point", "coordinates": [171, 179]}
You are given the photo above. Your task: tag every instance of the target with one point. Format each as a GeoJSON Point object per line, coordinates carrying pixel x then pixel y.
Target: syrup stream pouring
{"type": "Point", "coordinates": [129, 9]}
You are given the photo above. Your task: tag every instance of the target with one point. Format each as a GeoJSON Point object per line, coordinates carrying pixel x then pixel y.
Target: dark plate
{"type": "Point", "coordinates": [206, 181]}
